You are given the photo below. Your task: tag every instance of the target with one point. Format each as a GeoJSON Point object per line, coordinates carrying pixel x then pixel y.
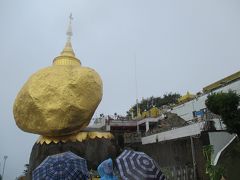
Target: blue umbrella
{"type": "Point", "coordinates": [62, 166]}
{"type": "Point", "coordinates": [134, 165]}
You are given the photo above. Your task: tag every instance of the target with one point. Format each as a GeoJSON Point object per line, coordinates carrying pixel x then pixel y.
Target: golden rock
{"type": "Point", "coordinates": [58, 100]}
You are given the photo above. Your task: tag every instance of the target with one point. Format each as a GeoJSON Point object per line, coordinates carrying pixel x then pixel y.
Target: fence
{"type": "Point", "coordinates": [178, 173]}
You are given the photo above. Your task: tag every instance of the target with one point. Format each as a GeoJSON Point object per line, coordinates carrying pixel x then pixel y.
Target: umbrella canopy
{"type": "Point", "coordinates": [62, 167]}
{"type": "Point", "coordinates": [135, 165]}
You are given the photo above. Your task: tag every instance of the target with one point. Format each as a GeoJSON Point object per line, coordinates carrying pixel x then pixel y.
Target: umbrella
{"type": "Point", "coordinates": [62, 167]}
{"type": "Point", "coordinates": [134, 165]}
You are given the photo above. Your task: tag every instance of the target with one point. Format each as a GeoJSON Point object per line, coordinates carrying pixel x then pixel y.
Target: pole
{"type": "Point", "coordinates": [4, 163]}
{"type": "Point", "coordinates": [136, 83]}
{"type": "Point", "coordinates": [193, 159]}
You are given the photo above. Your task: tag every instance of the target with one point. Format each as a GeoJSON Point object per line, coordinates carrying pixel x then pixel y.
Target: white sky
{"type": "Point", "coordinates": [179, 45]}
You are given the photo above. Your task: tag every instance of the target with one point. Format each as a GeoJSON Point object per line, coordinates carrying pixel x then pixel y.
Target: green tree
{"type": "Point", "coordinates": [148, 103]}
{"type": "Point", "coordinates": [226, 105]}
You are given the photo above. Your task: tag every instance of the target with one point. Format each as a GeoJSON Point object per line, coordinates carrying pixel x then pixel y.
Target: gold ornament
{"type": "Point", "coordinates": [78, 137]}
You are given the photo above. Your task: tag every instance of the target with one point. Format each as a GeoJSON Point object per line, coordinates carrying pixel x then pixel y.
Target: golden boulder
{"type": "Point", "coordinates": [58, 100]}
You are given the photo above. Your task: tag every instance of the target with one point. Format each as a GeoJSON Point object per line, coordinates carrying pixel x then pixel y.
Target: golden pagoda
{"type": "Point", "coordinates": [185, 98]}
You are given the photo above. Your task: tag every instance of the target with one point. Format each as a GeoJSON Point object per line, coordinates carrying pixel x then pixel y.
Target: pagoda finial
{"type": "Point", "coordinates": [67, 56]}
{"type": "Point", "coordinates": [69, 31]}
{"type": "Point", "coordinates": [68, 47]}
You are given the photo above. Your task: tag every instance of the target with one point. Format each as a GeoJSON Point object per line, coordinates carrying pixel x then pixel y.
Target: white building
{"type": "Point", "coordinates": [196, 106]}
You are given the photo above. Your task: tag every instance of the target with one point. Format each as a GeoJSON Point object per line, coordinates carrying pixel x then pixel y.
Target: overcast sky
{"type": "Point", "coordinates": [179, 45]}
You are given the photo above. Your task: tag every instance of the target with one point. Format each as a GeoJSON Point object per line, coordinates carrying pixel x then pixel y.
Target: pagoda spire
{"type": "Point", "coordinates": [68, 50]}
{"type": "Point", "coordinates": [67, 56]}
{"type": "Point", "coordinates": [69, 31]}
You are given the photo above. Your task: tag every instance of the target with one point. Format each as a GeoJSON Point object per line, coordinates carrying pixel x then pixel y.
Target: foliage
{"type": "Point", "coordinates": [168, 174]}
{"type": "Point", "coordinates": [221, 103]}
{"type": "Point", "coordinates": [146, 104]}
{"type": "Point", "coordinates": [25, 172]}
{"type": "Point", "coordinates": [214, 172]}
{"type": "Point", "coordinates": [207, 152]}
{"type": "Point", "coordinates": [226, 105]}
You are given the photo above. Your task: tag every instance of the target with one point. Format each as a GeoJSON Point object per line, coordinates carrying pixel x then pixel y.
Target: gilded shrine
{"type": "Point", "coordinates": [61, 99]}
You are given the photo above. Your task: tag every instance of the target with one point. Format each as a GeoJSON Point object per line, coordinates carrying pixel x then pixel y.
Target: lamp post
{"type": "Point", "coordinates": [4, 163]}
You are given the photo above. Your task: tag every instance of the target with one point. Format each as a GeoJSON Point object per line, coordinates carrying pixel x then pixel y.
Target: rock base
{"type": "Point", "coordinates": [93, 150]}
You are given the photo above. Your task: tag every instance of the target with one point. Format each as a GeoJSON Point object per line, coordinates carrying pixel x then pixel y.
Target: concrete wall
{"type": "Point", "coordinates": [178, 153]}
{"type": "Point", "coordinates": [219, 140]}
{"type": "Point", "coordinates": [230, 160]}
{"type": "Point", "coordinates": [185, 110]}
{"type": "Point", "coordinates": [181, 132]}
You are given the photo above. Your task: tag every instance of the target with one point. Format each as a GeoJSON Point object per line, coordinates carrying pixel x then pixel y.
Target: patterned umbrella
{"type": "Point", "coordinates": [62, 167]}
{"type": "Point", "coordinates": [135, 165]}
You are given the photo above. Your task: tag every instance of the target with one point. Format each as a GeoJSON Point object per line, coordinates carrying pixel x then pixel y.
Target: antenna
{"type": "Point", "coordinates": [136, 82]}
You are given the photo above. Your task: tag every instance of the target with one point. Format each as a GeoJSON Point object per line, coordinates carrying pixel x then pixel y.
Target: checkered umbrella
{"type": "Point", "coordinates": [62, 167]}
{"type": "Point", "coordinates": [135, 165]}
